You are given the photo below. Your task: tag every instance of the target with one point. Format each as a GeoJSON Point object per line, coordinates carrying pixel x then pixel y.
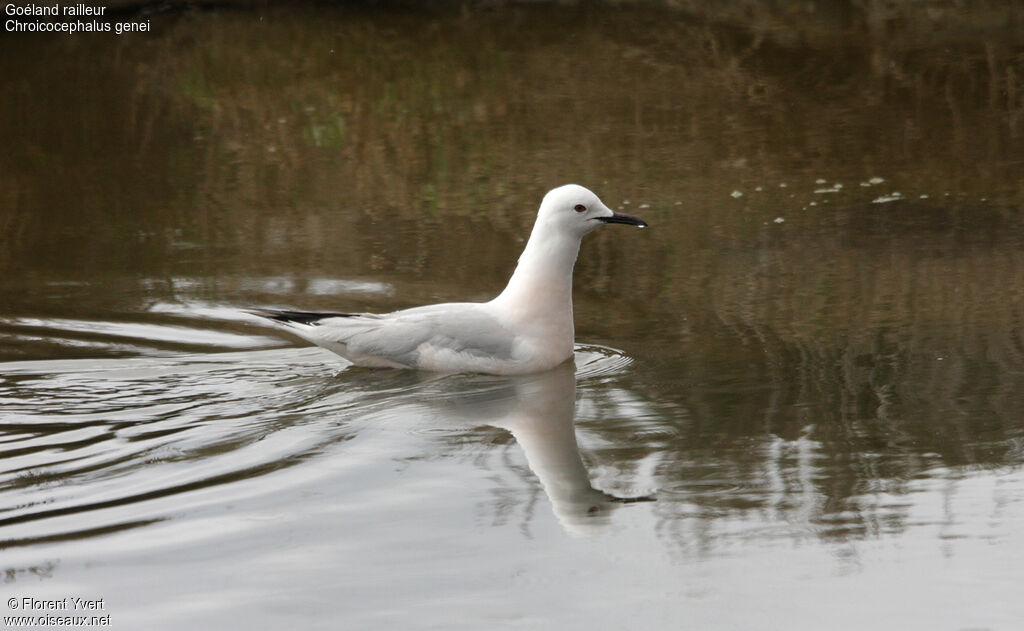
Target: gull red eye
{"type": "Point", "coordinates": [579, 208]}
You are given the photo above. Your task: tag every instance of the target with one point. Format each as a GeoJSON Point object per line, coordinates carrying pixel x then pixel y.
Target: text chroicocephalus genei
{"type": "Point", "coordinates": [527, 328]}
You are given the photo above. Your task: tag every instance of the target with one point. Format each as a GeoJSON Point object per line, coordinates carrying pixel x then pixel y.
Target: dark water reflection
{"type": "Point", "coordinates": [826, 320]}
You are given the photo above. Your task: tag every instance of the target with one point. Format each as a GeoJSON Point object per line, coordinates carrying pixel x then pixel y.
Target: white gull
{"type": "Point", "coordinates": [527, 328]}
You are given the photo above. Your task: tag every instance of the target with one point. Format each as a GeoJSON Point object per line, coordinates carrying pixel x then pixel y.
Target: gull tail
{"type": "Point", "coordinates": [311, 318]}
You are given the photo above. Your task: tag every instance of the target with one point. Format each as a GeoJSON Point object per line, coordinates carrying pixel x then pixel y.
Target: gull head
{"type": "Point", "coordinates": [576, 210]}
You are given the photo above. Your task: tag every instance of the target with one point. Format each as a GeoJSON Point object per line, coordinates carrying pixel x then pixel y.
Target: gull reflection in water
{"type": "Point", "coordinates": [538, 410]}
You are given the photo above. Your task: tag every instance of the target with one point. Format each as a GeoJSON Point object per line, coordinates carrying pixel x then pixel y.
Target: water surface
{"type": "Point", "coordinates": [797, 398]}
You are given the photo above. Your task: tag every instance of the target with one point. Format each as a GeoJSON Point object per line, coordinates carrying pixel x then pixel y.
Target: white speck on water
{"type": "Point", "coordinates": [759, 189]}
{"type": "Point", "coordinates": [866, 184]}
{"type": "Point", "coordinates": [813, 204]}
{"type": "Point", "coordinates": [780, 220]}
{"type": "Point", "coordinates": [644, 206]}
{"type": "Point", "coordinates": [679, 203]}
{"type": "Point", "coordinates": [783, 185]}
{"type": "Point", "coordinates": [924, 196]}
{"type": "Point", "coordinates": [736, 194]}
{"type": "Point", "coordinates": [626, 202]}
{"type": "Point", "coordinates": [821, 181]}
{"type": "Point", "coordinates": [876, 180]}
{"type": "Point", "coordinates": [891, 197]}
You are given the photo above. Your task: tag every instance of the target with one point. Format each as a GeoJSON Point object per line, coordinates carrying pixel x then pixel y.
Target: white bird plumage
{"type": "Point", "coordinates": [527, 328]}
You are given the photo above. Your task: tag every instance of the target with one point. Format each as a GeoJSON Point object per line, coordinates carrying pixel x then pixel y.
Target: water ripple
{"type": "Point", "coordinates": [594, 361]}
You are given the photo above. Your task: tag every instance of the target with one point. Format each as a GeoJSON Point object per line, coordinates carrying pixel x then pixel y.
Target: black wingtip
{"type": "Point", "coordinates": [296, 317]}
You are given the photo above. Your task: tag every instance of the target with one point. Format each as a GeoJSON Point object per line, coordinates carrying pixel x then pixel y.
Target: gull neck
{"type": "Point", "coordinates": [541, 285]}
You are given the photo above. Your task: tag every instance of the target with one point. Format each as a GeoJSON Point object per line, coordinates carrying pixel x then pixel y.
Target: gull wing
{"type": "Point", "coordinates": [423, 337]}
